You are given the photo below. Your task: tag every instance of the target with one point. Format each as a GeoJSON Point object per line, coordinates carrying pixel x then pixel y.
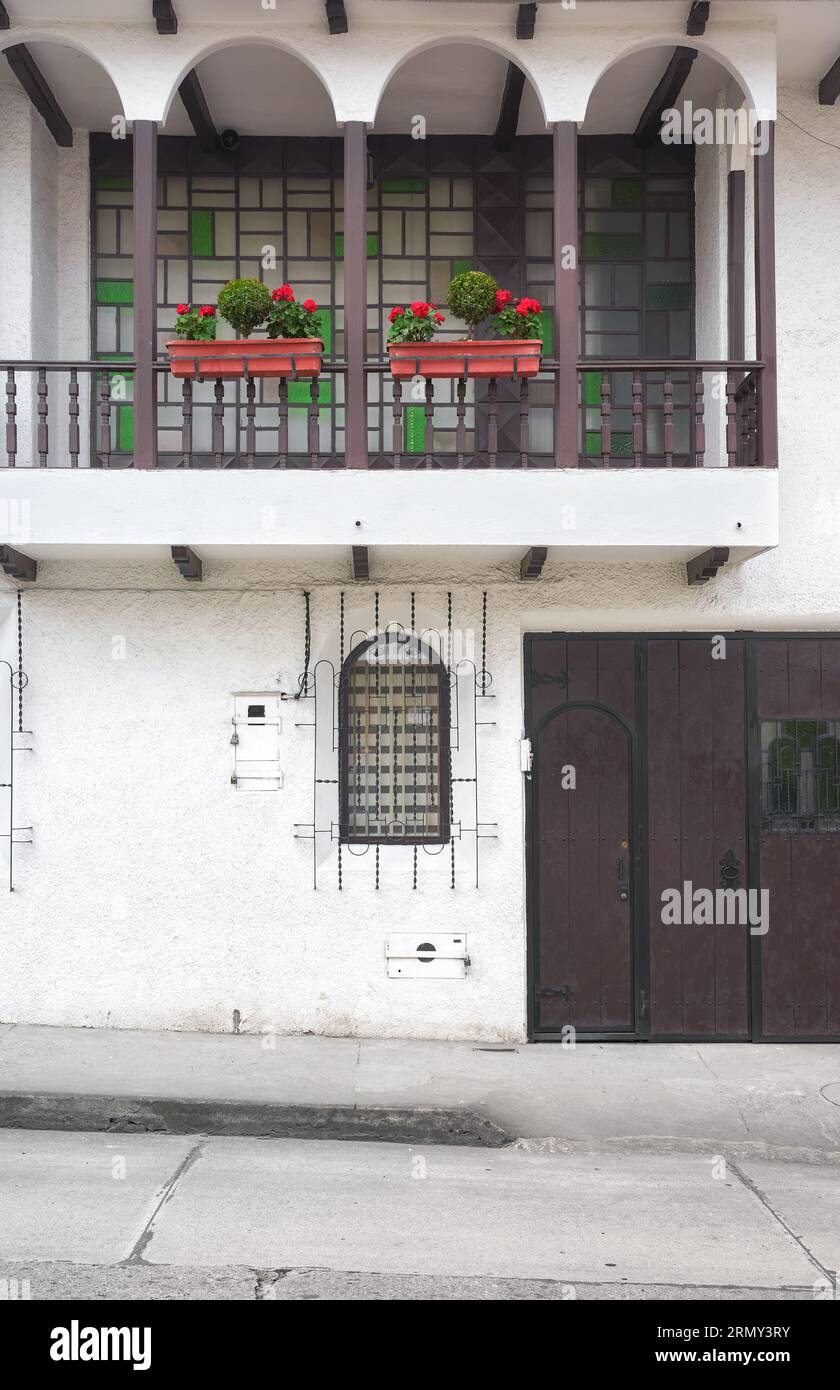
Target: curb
{"type": "Point", "coordinates": [145, 1115]}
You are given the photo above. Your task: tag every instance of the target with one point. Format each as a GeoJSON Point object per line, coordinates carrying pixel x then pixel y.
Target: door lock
{"type": "Point", "coordinates": [623, 895]}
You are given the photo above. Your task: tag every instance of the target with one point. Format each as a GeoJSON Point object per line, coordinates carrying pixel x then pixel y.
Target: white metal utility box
{"type": "Point", "coordinates": [257, 727]}
{"type": "Point", "coordinates": [426, 955]}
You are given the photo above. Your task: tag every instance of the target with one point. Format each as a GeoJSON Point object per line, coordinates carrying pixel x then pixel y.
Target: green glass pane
{"type": "Point", "coordinates": [622, 443]}
{"type": "Point", "coordinates": [372, 245]}
{"type": "Point", "coordinates": [125, 429]}
{"type": "Point", "coordinates": [592, 388]}
{"type": "Point", "coordinates": [415, 429]}
{"type": "Point", "coordinates": [403, 185]}
{"type": "Point", "coordinates": [668, 296]}
{"type": "Point", "coordinates": [627, 193]}
{"type": "Point", "coordinates": [201, 229]}
{"type": "Point", "coordinates": [299, 393]}
{"type": "Point", "coordinates": [546, 330]}
{"type": "Point", "coordinates": [114, 292]}
{"type": "Point", "coordinates": [616, 245]}
{"type": "Point", "coordinates": [460, 267]}
{"type": "Point", "coordinates": [114, 181]}
{"type": "Point", "coordinates": [325, 319]}
{"type": "Point", "coordinates": [593, 442]}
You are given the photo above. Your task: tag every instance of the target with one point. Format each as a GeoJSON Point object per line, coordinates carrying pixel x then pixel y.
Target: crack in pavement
{"type": "Point", "coordinates": [135, 1255]}
{"type": "Point", "coordinates": [765, 1201]}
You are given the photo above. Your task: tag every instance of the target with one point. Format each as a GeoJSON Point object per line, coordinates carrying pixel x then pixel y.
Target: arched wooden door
{"type": "Point", "coordinates": [584, 882]}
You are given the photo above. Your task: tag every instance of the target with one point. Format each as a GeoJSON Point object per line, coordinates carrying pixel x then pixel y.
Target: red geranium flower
{"type": "Point", "coordinates": [395, 312]}
{"type": "Point", "coordinates": [183, 308]}
{"type": "Point", "coordinates": [438, 318]}
{"type": "Point", "coordinates": [206, 312]}
{"type": "Point", "coordinates": [420, 309]}
{"type": "Point", "coordinates": [310, 305]}
{"type": "Point", "coordinates": [284, 292]}
{"type": "Point", "coordinates": [503, 297]}
{"type": "Point", "coordinates": [528, 306]}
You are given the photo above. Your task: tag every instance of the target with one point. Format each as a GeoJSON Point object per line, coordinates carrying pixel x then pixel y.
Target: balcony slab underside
{"type": "Point", "coordinates": [634, 514]}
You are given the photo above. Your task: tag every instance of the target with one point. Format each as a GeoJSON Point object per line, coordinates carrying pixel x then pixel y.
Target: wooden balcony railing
{"type": "Point", "coordinates": [663, 414]}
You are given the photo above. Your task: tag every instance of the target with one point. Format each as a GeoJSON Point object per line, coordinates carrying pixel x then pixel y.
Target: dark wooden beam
{"type": "Point", "coordinates": [355, 293]}
{"type": "Point", "coordinates": [163, 13]}
{"type": "Point", "coordinates": [698, 18]}
{"type": "Point", "coordinates": [704, 567]}
{"type": "Point", "coordinates": [187, 561]}
{"type": "Point", "coordinates": [665, 95]}
{"type": "Point", "coordinates": [144, 157]}
{"type": "Point", "coordinates": [526, 21]}
{"type": "Point", "coordinates": [361, 562]}
{"type": "Point", "coordinates": [34, 83]}
{"type": "Point", "coordinates": [337, 17]}
{"type": "Point", "coordinates": [5, 22]}
{"type": "Point", "coordinates": [764, 239]}
{"type": "Point", "coordinates": [531, 564]}
{"type": "Point", "coordinates": [566, 345]}
{"type": "Point", "coordinates": [829, 88]}
{"type": "Point", "coordinates": [735, 275]}
{"type": "Point", "coordinates": [195, 104]}
{"type": "Point", "coordinates": [17, 565]}
{"type": "Point", "coordinates": [505, 133]}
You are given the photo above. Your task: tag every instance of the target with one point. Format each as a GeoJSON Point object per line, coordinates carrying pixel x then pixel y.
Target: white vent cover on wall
{"type": "Point", "coordinates": [426, 955]}
{"type": "Point", "coordinates": [257, 727]}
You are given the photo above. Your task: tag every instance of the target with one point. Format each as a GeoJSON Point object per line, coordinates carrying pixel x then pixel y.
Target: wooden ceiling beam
{"type": "Point", "coordinates": [195, 104]}
{"type": "Point", "coordinates": [704, 567]}
{"type": "Point", "coordinates": [829, 88]}
{"type": "Point", "coordinates": [664, 96]}
{"type": "Point", "coordinates": [361, 562]}
{"type": "Point", "coordinates": [17, 565]}
{"type": "Point", "coordinates": [187, 562]}
{"type": "Point", "coordinates": [163, 13]}
{"type": "Point", "coordinates": [337, 17]}
{"type": "Point", "coordinates": [698, 18]}
{"type": "Point", "coordinates": [526, 21]}
{"type": "Point", "coordinates": [506, 126]}
{"type": "Point", "coordinates": [5, 22]}
{"type": "Point", "coordinates": [38, 89]}
{"type": "Point", "coordinates": [531, 564]}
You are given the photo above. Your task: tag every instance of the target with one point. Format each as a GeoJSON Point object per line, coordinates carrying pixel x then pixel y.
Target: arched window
{"type": "Point", "coordinates": [394, 782]}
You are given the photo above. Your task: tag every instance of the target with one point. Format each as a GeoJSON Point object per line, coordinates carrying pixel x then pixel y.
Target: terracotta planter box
{"type": "Point", "coordinates": [239, 357]}
{"type": "Point", "coordinates": [495, 357]}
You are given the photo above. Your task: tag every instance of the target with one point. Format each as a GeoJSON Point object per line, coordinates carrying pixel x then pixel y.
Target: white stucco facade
{"type": "Point", "coordinates": [156, 893]}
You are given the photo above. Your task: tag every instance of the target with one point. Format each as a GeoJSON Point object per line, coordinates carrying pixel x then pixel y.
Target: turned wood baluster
{"type": "Point", "coordinates": [282, 423]}
{"type": "Point", "coordinates": [754, 418]}
{"type": "Point", "coordinates": [105, 420]}
{"type": "Point", "coordinates": [218, 422]}
{"type": "Point", "coordinates": [668, 420]}
{"type": "Point", "coordinates": [429, 412]}
{"type": "Point", "coordinates": [397, 423]}
{"type": "Point", "coordinates": [638, 422]}
{"type": "Point", "coordinates": [312, 415]}
{"type": "Point", "coordinates": [250, 425]}
{"type": "Point", "coordinates": [492, 421]}
{"type": "Point", "coordinates": [731, 422]}
{"type": "Point", "coordinates": [11, 417]}
{"type": "Point", "coordinates": [43, 427]}
{"type": "Point", "coordinates": [524, 421]}
{"type": "Point", "coordinates": [461, 426]}
{"type": "Point", "coordinates": [699, 419]}
{"type": "Point", "coordinates": [73, 425]}
{"type": "Point", "coordinates": [606, 420]}
{"type": "Point", "coordinates": [186, 422]}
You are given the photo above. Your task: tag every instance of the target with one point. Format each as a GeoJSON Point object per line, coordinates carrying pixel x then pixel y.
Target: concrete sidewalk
{"type": "Point", "coordinates": [779, 1102]}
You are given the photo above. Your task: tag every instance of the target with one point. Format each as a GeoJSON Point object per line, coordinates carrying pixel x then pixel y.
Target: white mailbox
{"type": "Point", "coordinates": [257, 726]}
{"type": "Point", "coordinates": [426, 955]}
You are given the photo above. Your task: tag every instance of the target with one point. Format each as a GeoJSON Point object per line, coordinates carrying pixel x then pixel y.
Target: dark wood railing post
{"type": "Point", "coordinates": [145, 293]}
{"type": "Point", "coordinates": [765, 295]}
{"type": "Point", "coordinates": [355, 293]}
{"type": "Point", "coordinates": [735, 264]}
{"type": "Point", "coordinates": [566, 314]}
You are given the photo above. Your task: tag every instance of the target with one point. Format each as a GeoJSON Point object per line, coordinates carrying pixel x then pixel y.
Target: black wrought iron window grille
{"type": "Point", "coordinates": [800, 775]}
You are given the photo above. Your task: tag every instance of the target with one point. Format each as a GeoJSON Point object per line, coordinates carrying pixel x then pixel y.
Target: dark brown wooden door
{"type": "Point", "coordinates": [796, 737]}
{"type": "Point", "coordinates": [697, 833]}
{"type": "Point", "coordinates": [582, 836]}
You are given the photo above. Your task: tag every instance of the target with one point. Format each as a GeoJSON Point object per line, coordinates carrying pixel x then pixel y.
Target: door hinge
{"type": "Point", "coordinates": [643, 1003]}
{"type": "Point", "coordinates": [526, 756]}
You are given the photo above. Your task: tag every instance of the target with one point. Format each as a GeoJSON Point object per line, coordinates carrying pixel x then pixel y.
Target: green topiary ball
{"type": "Point", "coordinates": [245, 305]}
{"type": "Point", "coordinates": [472, 296]}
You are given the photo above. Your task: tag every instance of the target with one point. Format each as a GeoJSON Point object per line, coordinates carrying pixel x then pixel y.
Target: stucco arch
{"type": "Point", "coordinates": [75, 43]}
{"type": "Point", "coordinates": [452, 40]}
{"type": "Point", "coordinates": [652, 42]}
{"type": "Point", "coordinates": [233, 41]}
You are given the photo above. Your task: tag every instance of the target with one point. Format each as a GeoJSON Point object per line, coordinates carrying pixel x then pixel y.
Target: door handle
{"type": "Point", "coordinates": [623, 895]}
